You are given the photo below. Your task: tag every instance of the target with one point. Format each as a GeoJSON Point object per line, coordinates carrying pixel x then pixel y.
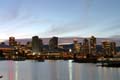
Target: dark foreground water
{"type": "Point", "coordinates": [55, 70]}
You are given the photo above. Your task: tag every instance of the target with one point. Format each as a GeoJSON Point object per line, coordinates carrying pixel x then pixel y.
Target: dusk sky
{"type": "Point", "coordinates": [62, 18]}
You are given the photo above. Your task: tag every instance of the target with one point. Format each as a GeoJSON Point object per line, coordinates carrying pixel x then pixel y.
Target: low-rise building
{"type": "Point", "coordinates": [6, 48]}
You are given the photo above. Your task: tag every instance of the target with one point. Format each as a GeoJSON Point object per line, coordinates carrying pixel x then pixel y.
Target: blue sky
{"type": "Point", "coordinates": [62, 18]}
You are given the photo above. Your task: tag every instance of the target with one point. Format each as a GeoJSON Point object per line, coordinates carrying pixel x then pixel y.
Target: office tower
{"type": "Point", "coordinates": [92, 45]}
{"type": "Point", "coordinates": [76, 47]}
{"type": "Point", "coordinates": [53, 43]}
{"type": "Point", "coordinates": [36, 45]}
{"type": "Point", "coordinates": [85, 46]}
{"type": "Point", "coordinates": [106, 45]}
{"type": "Point", "coordinates": [12, 41]}
{"type": "Point", "coordinates": [113, 48]}
{"type": "Point", "coordinates": [41, 45]}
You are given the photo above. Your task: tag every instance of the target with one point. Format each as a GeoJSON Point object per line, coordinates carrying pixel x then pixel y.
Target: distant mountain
{"type": "Point", "coordinates": [115, 36]}
{"type": "Point", "coordinates": [68, 40]}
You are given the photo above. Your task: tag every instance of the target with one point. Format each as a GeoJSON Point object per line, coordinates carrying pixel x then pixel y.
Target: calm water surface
{"type": "Point", "coordinates": [55, 70]}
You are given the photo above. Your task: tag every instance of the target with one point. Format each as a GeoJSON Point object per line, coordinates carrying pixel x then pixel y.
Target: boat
{"type": "Point", "coordinates": [111, 64]}
{"type": "Point", "coordinates": [85, 60]}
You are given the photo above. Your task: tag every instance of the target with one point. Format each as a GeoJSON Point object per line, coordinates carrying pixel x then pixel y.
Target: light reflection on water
{"type": "Point", "coordinates": [56, 70]}
{"type": "Point", "coordinates": [70, 69]}
{"type": "Point", "coordinates": [16, 71]}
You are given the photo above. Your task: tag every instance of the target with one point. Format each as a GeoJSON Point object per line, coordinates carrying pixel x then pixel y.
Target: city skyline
{"type": "Point", "coordinates": [62, 18]}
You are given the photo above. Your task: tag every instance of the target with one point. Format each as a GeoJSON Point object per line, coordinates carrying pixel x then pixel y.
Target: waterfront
{"type": "Point", "coordinates": [56, 70]}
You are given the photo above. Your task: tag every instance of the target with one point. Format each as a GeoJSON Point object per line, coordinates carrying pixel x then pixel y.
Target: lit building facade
{"type": "Point", "coordinates": [76, 46]}
{"type": "Point", "coordinates": [6, 48]}
{"type": "Point", "coordinates": [92, 45]}
{"type": "Point", "coordinates": [109, 48]}
{"type": "Point", "coordinates": [85, 46]}
{"type": "Point", "coordinates": [113, 48]}
{"type": "Point", "coordinates": [12, 41]}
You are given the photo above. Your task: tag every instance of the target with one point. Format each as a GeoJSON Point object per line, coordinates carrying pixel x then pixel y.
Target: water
{"type": "Point", "coordinates": [55, 70]}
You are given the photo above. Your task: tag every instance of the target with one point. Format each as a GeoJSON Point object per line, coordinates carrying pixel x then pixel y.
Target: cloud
{"type": "Point", "coordinates": [62, 29]}
{"type": "Point", "coordinates": [111, 28]}
{"type": "Point", "coordinates": [25, 25]}
{"type": "Point", "coordinates": [10, 10]}
{"type": "Point", "coordinates": [87, 4]}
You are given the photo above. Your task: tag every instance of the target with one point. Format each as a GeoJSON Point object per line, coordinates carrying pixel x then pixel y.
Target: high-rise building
{"type": "Point", "coordinates": [36, 45]}
{"type": "Point", "coordinates": [85, 46]}
{"type": "Point", "coordinates": [106, 47]}
{"type": "Point", "coordinates": [92, 45]}
{"type": "Point", "coordinates": [41, 45]}
{"type": "Point", "coordinates": [76, 47]}
{"type": "Point", "coordinates": [53, 43]}
{"type": "Point", "coordinates": [113, 48]}
{"type": "Point", "coordinates": [12, 41]}
{"type": "Point", "coordinates": [109, 48]}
